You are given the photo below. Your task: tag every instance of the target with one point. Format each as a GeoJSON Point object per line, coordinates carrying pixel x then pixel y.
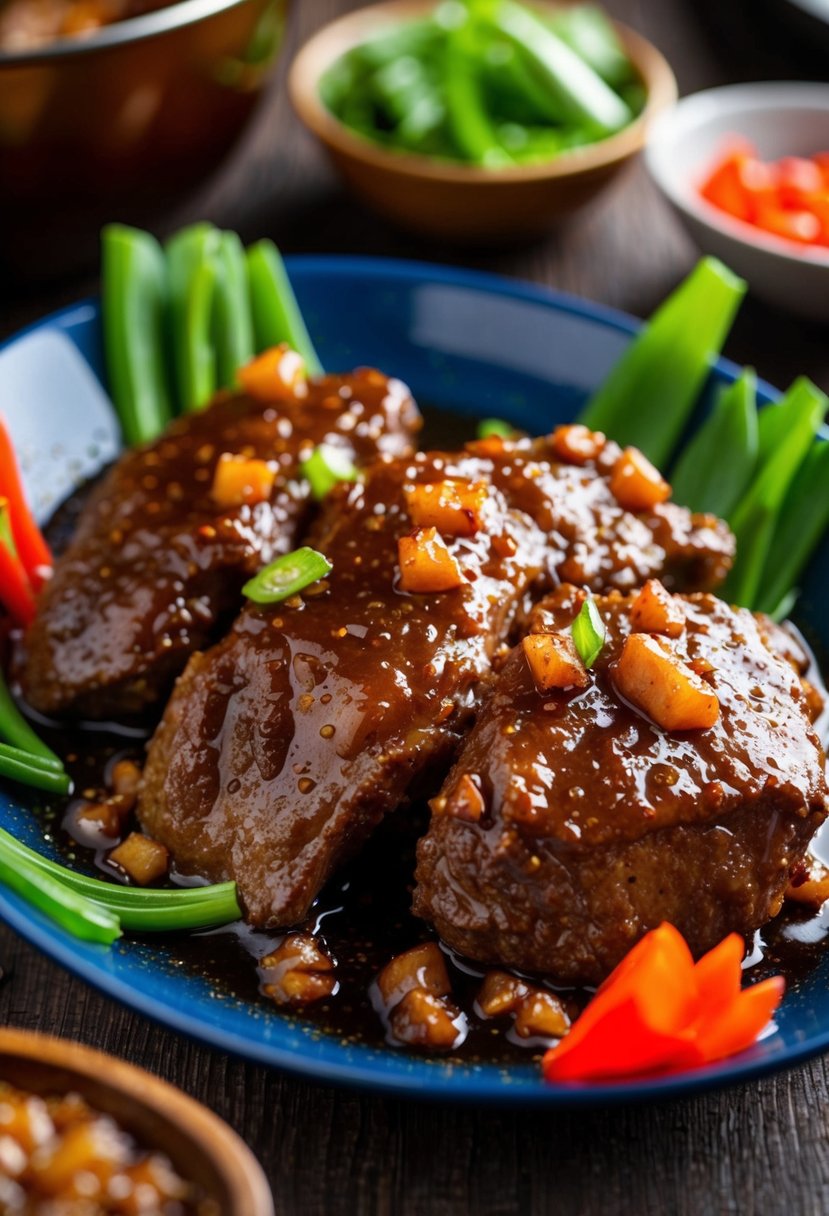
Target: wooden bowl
{"type": "Point", "coordinates": [123, 123]}
{"type": "Point", "coordinates": [457, 202]}
{"type": "Point", "coordinates": [201, 1147]}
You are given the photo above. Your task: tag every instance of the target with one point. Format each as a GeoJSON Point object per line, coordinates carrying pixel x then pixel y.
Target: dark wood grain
{"type": "Point", "coordinates": [763, 1148]}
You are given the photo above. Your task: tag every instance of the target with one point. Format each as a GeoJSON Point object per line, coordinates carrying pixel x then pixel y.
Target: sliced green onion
{"type": "Point", "coordinates": [803, 519]}
{"type": "Point", "coordinates": [134, 301]}
{"type": "Point", "coordinates": [490, 427]}
{"type": "Point", "coordinates": [326, 467]}
{"type": "Point", "coordinates": [754, 519]}
{"type": "Point", "coordinates": [286, 576]}
{"type": "Point", "coordinates": [192, 272]}
{"type": "Point", "coordinates": [35, 771]}
{"type": "Point", "coordinates": [153, 910]}
{"type": "Point", "coordinates": [232, 323]}
{"type": "Point", "coordinates": [73, 912]}
{"type": "Point", "coordinates": [590, 33]}
{"type": "Point", "coordinates": [467, 118]}
{"type": "Point", "coordinates": [16, 730]}
{"type": "Point", "coordinates": [276, 314]}
{"type": "Point", "coordinates": [648, 396]}
{"type": "Point", "coordinates": [580, 89]}
{"type": "Point", "coordinates": [715, 468]}
{"type": "Point", "coordinates": [589, 632]}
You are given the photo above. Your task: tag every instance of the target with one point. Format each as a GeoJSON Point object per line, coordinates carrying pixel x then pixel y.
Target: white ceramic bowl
{"type": "Point", "coordinates": [780, 119]}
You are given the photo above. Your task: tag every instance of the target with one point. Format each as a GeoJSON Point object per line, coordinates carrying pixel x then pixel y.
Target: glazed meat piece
{"type": "Point", "coordinates": [285, 745]}
{"type": "Point", "coordinates": [163, 548]}
{"type": "Point", "coordinates": [678, 780]}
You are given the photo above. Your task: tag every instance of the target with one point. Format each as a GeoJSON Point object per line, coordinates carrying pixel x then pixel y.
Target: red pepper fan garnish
{"type": "Point", "coordinates": [25, 560]}
{"type": "Point", "coordinates": [659, 1012]}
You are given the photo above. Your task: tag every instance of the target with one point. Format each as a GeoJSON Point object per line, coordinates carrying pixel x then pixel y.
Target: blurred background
{"type": "Point", "coordinates": [626, 248]}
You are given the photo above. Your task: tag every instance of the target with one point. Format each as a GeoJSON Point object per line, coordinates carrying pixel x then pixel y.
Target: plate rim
{"type": "Point", "coordinates": [487, 1086]}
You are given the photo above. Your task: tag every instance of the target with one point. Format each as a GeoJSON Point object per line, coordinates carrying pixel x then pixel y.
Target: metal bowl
{"type": "Point", "coordinates": [123, 122]}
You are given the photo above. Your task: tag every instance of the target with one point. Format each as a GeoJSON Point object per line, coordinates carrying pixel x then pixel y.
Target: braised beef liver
{"type": "Point", "coordinates": [285, 745]}
{"type": "Point", "coordinates": [571, 823]}
{"type": "Point", "coordinates": [155, 569]}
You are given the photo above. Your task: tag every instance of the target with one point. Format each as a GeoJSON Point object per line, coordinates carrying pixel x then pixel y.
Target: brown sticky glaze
{"type": "Point", "coordinates": [283, 747]}
{"type": "Point", "coordinates": [597, 825]}
{"type": "Point", "coordinates": [155, 568]}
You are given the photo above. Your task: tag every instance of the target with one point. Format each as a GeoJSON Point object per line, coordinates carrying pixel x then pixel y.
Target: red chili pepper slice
{"type": "Point", "coordinates": [15, 589]}
{"type": "Point", "coordinates": [32, 549]}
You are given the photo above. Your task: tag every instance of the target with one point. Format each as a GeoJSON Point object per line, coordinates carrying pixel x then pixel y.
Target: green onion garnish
{"type": "Point", "coordinates": [489, 427]}
{"type": "Point", "coordinates": [14, 729]}
{"type": "Point", "coordinates": [36, 771]}
{"type": "Point", "coordinates": [325, 467]}
{"type": "Point", "coordinates": [95, 910]}
{"type": "Point", "coordinates": [286, 576]}
{"type": "Point", "coordinates": [588, 632]}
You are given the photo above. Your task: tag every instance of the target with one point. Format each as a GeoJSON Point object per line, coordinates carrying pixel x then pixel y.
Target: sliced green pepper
{"type": "Point", "coordinates": [647, 398]}
{"type": "Point", "coordinates": [715, 467]}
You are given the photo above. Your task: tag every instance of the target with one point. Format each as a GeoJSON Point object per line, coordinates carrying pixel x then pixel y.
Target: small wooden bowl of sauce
{"type": "Point", "coordinates": [76, 1098]}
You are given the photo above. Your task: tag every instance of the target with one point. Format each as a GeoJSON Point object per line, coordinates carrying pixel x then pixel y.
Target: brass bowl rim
{"type": "Point", "coordinates": [334, 40]}
{"type": "Point", "coordinates": [133, 29]}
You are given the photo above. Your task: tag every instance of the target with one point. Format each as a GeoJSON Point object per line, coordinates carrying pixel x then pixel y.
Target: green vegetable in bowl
{"type": "Point", "coordinates": [491, 83]}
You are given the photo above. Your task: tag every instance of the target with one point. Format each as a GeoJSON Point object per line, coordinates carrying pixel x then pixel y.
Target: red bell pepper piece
{"type": "Point", "coordinates": [32, 549]}
{"type": "Point", "coordinates": [15, 589]}
{"type": "Point", "coordinates": [658, 1012]}
{"type": "Point", "coordinates": [800, 226]}
{"type": "Point", "coordinates": [724, 187]}
{"type": "Point", "coordinates": [797, 177]}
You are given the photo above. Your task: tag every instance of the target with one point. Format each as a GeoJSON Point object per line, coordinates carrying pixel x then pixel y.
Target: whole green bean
{"type": "Point", "coordinates": [467, 119]}
{"type": "Point", "coordinates": [231, 322]}
{"type": "Point", "coordinates": [648, 396]}
{"type": "Point", "coordinates": [589, 32]}
{"type": "Point", "coordinates": [588, 100]}
{"type": "Point", "coordinates": [16, 730]}
{"type": "Point", "coordinates": [73, 912]}
{"type": "Point", "coordinates": [34, 771]}
{"type": "Point", "coordinates": [716, 465]}
{"type": "Point", "coordinates": [191, 267]}
{"type": "Point", "coordinates": [276, 314]}
{"type": "Point", "coordinates": [133, 303]}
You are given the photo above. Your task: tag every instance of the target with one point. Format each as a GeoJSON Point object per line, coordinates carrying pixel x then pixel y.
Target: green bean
{"type": "Point", "coordinates": [648, 396]}
{"type": "Point", "coordinates": [153, 909]}
{"type": "Point", "coordinates": [16, 730]}
{"type": "Point", "coordinates": [467, 118]}
{"type": "Point", "coordinates": [231, 322]}
{"type": "Point", "coordinates": [586, 97]}
{"type": "Point", "coordinates": [134, 298]}
{"type": "Point", "coordinates": [589, 33]}
{"type": "Point", "coordinates": [34, 771]}
{"type": "Point", "coordinates": [276, 314]}
{"type": "Point", "coordinates": [715, 466]}
{"type": "Point", "coordinates": [73, 912]}
{"type": "Point", "coordinates": [755, 517]}
{"type": "Point", "coordinates": [803, 519]}
{"type": "Point", "coordinates": [191, 267]}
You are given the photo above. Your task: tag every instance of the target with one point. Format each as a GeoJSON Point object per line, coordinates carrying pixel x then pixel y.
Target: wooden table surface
{"type": "Point", "coordinates": [762, 1148]}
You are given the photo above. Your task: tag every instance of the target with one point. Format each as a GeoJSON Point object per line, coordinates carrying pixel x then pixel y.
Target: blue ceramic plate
{"type": "Point", "coordinates": [476, 344]}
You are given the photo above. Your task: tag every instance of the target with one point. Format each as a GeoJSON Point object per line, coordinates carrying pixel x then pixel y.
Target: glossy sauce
{"type": "Point", "coordinates": [363, 917]}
